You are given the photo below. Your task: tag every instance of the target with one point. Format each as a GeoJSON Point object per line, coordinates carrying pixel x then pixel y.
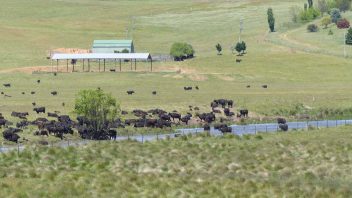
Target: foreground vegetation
{"type": "Point", "coordinates": [305, 164]}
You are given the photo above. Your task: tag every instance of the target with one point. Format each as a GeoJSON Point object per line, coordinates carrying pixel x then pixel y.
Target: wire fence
{"type": "Point", "coordinates": [249, 129]}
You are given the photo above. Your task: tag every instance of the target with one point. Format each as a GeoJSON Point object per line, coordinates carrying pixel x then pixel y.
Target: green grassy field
{"type": "Point", "coordinates": [296, 164]}
{"type": "Point", "coordinates": [294, 77]}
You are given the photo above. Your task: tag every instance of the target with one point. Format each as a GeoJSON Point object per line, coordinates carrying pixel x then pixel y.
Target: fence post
{"type": "Point", "coordinates": [255, 129]}
{"type": "Point", "coordinates": [327, 123]}
{"type": "Point", "coordinates": [336, 123]}
{"type": "Point", "coordinates": [317, 124]}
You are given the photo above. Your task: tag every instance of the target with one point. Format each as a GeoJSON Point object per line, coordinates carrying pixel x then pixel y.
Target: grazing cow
{"type": "Point", "coordinates": [38, 81]}
{"type": "Point", "coordinates": [281, 120]}
{"type": "Point", "coordinates": [221, 102]}
{"type": "Point", "coordinates": [283, 127]}
{"type": "Point", "coordinates": [112, 134]}
{"type": "Point", "coordinates": [39, 109]}
{"type": "Point", "coordinates": [55, 74]}
{"type": "Point", "coordinates": [214, 105]}
{"type": "Point", "coordinates": [42, 132]}
{"type": "Point", "coordinates": [151, 122]}
{"type": "Point", "coordinates": [19, 114]}
{"type": "Point", "coordinates": [63, 104]}
{"type": "Point", "coordinates": [54, 93]}
{"type": "Point", "coordinates": [223, 128]}
{"type": "Point", "coordinates": [248, 86]}
{"type": "Point", "coordinates": [33, 103]}
{"type": "Point", "coordinates": [23, 93]}
{"type": "Point", "coordinates": [243, 113]}
{"type": "Point", "coordinates": [265, 86]}
{"type": "Point", "coordinates": [196, 108]}
{"type": "Point", "coordinates": [165, 117]}
{"type": "Point", "coordinates": [186, 118]}
{"type": "Point", "coordinates": [238, 60]}
{"type": "Point", "coordinates": [154, 92]}
{"type": "Point", "coordinates": [187, 88]}
{"type": "Point", "coordinates": [230, 103]}
{"type": "Point", "coordinates": [113, 70]}
{"type": "Point", "coordinates": [130, 92]}
{"type": "Point", "coordinates": [22, 124]}
{"type": "Point", "coordinates": [54, 115]}
{"type": "Point", "coordinates": [228, 112]}
{"type": "Point", "coordinates": [175, 116]}
{"type": "Point", "coordinates": [32, 92]}
{"type": "Point", "coordinates": [10, 136]}
{"type": "Point", "coordinates": [3, 122]}
{"type": "Point", "coordinates": [197, 88]}
{"type": "Point", "coordinates": [7, 85]}
{"type": "Point", "coordinates": [2, 93]}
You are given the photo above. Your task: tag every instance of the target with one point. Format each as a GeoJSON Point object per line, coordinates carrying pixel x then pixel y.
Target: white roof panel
{"type": "Point", "coordinates": [142, 56]}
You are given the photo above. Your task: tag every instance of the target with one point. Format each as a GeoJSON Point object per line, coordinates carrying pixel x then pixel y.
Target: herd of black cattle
{"type": "Point", "coordinates": [155, 118]}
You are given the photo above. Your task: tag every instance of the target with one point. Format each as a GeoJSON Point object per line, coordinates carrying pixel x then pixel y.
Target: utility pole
{"type": "Point", "coordinates": [241, 29]}
{"type": "Point", "coordinates": [127, 32]}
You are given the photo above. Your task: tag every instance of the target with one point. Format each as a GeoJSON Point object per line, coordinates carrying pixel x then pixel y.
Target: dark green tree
{"type": "Point", "coordinates": [218, 48]}
{"type": "Point", "coordinates": [239, 48]}
{"type": "Point", "coordinates": [349, 37]}
{"type": "Point", "coordinates": [271, 19]}
{"type": "Point", "coordinates": [181, 51]}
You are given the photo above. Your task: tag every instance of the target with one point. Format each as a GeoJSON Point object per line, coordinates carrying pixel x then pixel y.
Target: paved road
{"type": "Point", "coordinates": [236, 129]}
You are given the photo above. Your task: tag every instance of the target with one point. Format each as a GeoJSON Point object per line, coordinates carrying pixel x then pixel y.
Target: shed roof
{"type": "Point", "coordinates": [138, 56]}
{"type": "Point", "coordinates": [109, 43]}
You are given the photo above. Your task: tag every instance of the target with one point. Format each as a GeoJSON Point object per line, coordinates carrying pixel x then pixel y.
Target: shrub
{"type": "Point", "coordinates": [330, 32]}
{"type": "Point", "coordinates": [326, 21]}
{"type": "Point", "coordinates": [309, 14]}
{"type": "Point", "coordinates": [343, 24]}
{"type": "Point", "coordinates": [312, 28]}
{"type": "Point", "coordinates": [218, 48]}
{"type": "Point", "coordinates": [182, 51]}
{"type": "Point", "coordinates": [335, 15]}
{"type": "Point", "coordinates": [349, 37]}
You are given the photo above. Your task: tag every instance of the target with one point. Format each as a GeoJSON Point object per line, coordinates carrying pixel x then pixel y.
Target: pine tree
{"type": "Point", "coordinates": [271, 19]}
{"type": "Point", "coordinates": [218, 48]}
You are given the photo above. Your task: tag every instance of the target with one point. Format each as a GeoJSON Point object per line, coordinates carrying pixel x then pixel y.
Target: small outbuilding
{"type": "Point", "coordinates": [113, 46]}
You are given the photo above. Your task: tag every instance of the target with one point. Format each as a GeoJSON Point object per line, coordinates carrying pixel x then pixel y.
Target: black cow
{"type": "Point", "coordinates": [248, 86]}
{"type": "Point", "coordinates": [243, 113]}
{"type": "Point", "coordinates": [197, 88]}
{"type": "Point", "coordinates": [10, 136]}
{"type": "Point", "coordinates": [39, 109]}
{"type": "Point", "coordinates": [187, 88]}
{"type": "Point", "coordinates": [38, 81]}
{"type": "Point", "coordinates": [54, 93]}
{"type": "Point", "coordinates": [112, 134]}
{"type": "Point", "coordinates": [154, 92]}
{"type": "Point", "coordinates": [165, 117]}
{"type": "Point", "coordinates": [3, 122]}
{"type": "Point", "coordinates": [23, 93]}
{"type": "Point", "coordinates": [238, 60]}
{"type": "Point", "coordinates": [22, 124]}
{"type": "Point", "coordinates": [175, 116]}
{"type": "Point", "coordinates": [265, 86]}
{"type": "Point", "coordinates": [32, 92]}
{"type": "Point", "coordinates": [230, 103]}
{"type": "Point", "coordinates": [33, 103]}
{"type": "Point", "coordinates": [113, 70]}
{"type": "Point", "coordinates": [7, 85]}
{"type": "Point", "coordinates": [281, 120]}
{"type": "Point", "coordinates": [130, 92]}
{"type": "Point", "coordinates": [54, 115]}
{"type": "Point", "coordinates": [283, 127]}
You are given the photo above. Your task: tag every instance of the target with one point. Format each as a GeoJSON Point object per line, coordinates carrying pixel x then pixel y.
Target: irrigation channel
{"type": "Point", "coordinates": [236, 129]}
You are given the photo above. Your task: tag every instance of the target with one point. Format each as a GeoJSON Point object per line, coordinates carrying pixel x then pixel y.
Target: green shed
{"type": "Point", "coordinates": [112, 46]}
